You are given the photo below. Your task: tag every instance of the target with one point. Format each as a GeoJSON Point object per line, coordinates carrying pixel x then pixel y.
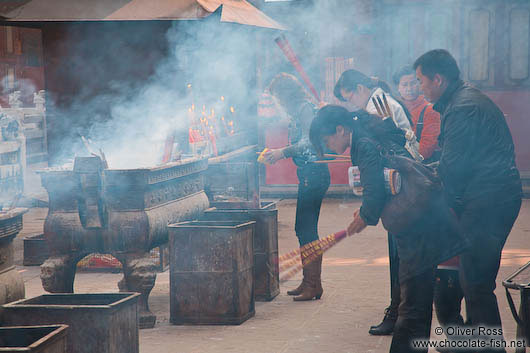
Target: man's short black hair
{"type": "Point", "coordinates": [403, 71]}
{"type": "Point", "coordinates": [438, 61]}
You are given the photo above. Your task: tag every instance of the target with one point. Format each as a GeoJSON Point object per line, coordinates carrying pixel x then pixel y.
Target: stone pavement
{"type": "Point", "coordinates": [356, 290]}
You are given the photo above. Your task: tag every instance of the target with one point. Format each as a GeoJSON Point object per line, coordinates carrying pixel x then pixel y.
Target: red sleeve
{"type": "Point", "coordinates": [429, 135]}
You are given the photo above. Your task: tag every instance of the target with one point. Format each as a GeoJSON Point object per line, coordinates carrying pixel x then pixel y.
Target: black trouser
{"type": "Point", "coordinates": [394, 274]}
{"type": "Point", "coordinates": [487, 229]}
{"type": "Point", "coordinates": [448, 293]}
{"type": "Point", "coordinates": [414, 313]}
{"type": "Point", "coordinates": [313, 184]}
{"type": "Point", "coordinates": [448, 297]}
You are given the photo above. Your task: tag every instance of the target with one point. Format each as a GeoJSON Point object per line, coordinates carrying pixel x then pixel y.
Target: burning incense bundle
{"type": "Point", "coordinates": [308, 252]}
{"type": "Point", "coordinates": [289, 53]}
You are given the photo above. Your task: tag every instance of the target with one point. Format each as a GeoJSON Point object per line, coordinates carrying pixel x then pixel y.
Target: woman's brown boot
{"type": "Point", "coordinates": [313, 286]}
{"type": "Point", "coordinates": [300, 288]}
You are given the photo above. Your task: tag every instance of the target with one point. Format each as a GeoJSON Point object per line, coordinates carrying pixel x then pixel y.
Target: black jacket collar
{"type": "Point", "coordinates": [447, 95]}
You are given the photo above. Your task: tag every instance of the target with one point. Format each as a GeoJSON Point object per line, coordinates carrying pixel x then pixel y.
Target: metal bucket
{"type": "Point", "coordinates": [100, 322]}
{"type": "Point", "coordinates": [211, 272]}
{"type": "Point", "coordinates": [520, 281]}
{"type": "Point", "coordinates": [34, 339]}
{"type": "Point", "coordinates": [266, 272]}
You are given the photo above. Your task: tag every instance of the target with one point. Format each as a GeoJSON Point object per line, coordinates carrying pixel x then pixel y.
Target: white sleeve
{"type": "Point", "coordinates": [370, 107]}
{"type": "Point", "coordinates": [400, 118]}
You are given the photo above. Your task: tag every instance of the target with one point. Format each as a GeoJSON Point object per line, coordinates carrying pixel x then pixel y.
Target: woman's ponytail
{"type": "Point", "coordinates": [383, 85]}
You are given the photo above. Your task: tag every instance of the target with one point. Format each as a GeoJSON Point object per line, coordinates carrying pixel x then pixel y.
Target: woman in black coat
{"type": "Point", "coordinates": [433, 238]}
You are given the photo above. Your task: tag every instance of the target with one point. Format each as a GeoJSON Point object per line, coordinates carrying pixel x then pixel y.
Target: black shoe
{"type": "Point", "coordinates": [386, 327]}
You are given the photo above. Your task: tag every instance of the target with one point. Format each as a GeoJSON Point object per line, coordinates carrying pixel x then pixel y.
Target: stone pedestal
{"type": "Point", "coordinates": [11, 283]}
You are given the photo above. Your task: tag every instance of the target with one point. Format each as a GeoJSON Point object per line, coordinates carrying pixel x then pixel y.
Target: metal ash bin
{"type": "Point", "coordinates": [33, 339]}
{"type": "Point", "coordinates": [235, 182]}
{"type": "Point", "coordinates": [520, 281]}
{"type": "Point", "coordinates": [266, 271]}
{"type": "Point", "coordinates": [211, 272]}
{"type": "Point", "coordinates": [11, 282]}
{"type": "Point", "coordinates": [101, 322]}
{"type": "Point", "coordinates": [233, 179]}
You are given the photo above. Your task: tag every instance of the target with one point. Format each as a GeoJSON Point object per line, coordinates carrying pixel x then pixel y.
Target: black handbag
{"type": "Point", "coordinates": [420, 185]}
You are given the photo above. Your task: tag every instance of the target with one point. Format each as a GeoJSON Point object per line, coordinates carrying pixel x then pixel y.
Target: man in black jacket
{"type": "Point", "coordinates": [481, 182]}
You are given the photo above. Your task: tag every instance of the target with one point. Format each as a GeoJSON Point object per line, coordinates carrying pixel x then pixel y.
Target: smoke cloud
{"type": "Point", "coordinates": [198, 63]}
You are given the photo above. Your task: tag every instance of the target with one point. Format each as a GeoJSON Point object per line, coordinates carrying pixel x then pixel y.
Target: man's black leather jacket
{"type": "Point", "coordinates": [477, 164]}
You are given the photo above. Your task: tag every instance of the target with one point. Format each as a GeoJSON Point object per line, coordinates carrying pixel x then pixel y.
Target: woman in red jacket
{"type": "Point", "coordinates": [425, 121]}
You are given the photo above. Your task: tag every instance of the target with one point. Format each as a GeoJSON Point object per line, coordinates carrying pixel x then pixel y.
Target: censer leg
{"type": "Point", "coordinates": [57, 273]}
{"type": "Point", "coordinates": [139, 275]}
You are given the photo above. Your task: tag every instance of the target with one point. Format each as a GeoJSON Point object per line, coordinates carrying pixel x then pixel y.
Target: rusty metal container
{"type": "Point", "coordinates": [520, 281]}
{"type": "Point", "coordinates": [100, 322]}
{"type": "Point", "coordinates": [11, 283]}
{"type": "Point", "coordinates": [266, 272]}
{"type": "Point", "coordinates": [35, 250]}
{"type": "Point", "coordinates": [211, 272]}
{"type": "Point", "coordinates": [236, 182]}
{"type": "Point", "coordinates": [33, 339]}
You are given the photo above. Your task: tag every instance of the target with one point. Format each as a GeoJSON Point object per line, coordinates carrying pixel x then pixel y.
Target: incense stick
{"type": "Point", "coordinates": [333, 161]}
{"type": "Point", "coordinates": [327, 155]}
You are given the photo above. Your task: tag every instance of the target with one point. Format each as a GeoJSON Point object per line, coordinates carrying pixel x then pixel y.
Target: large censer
{"type": "Point", "coordinates": [120, 212]}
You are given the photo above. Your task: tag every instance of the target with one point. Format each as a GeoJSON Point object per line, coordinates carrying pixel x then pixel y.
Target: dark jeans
{"type": "Point", "coordinates": [414, 313]}
{"type": "Point", "coordinates": [314, 182]}
{"type": "Point", "coordinates": [448, 297]}
{"type": "Point", "coordinates": [394, 274]}
{"type": "Point", "coordinates": [487, 229]}
{"type": "Point", "coordinates": [448, 293]}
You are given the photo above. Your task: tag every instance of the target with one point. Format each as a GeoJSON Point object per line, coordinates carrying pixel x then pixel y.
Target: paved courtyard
{"type": "Point", "coordinates": [356, 290]}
